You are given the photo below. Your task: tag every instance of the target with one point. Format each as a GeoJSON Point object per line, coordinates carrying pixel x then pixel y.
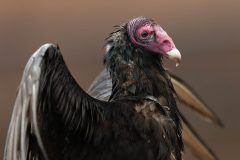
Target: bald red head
{"type": "Point", "coordinates": [148, 35]}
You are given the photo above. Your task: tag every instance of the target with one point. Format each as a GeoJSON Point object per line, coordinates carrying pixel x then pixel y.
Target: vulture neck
{"type": "Point", "coordinates": [138, 73]}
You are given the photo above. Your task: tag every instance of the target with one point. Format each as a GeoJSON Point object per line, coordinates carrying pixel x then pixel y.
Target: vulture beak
{"type": "Point", "coordinates": [174, 55]}
{"type": "Point", "coordinates": [166, 46]}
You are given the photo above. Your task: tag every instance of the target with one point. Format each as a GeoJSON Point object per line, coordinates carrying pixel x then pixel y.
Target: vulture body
{"type": "Point", "coordinates": [129, 113]}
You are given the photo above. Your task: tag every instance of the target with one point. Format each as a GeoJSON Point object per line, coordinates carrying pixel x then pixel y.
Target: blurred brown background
{"type": "Point", "coordinates": [206, 32]}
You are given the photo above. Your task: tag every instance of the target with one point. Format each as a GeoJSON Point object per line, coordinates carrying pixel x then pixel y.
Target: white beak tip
{"type": "Point", "coordinates": [175, 55]}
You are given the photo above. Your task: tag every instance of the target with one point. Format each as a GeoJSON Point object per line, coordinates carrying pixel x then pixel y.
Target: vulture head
{"type": "Point", "coordinates": [134, 54]}
{"type": "Point", "coordinates": [146, 36]}
{"type": "Point", "coordinates": [150, 36]}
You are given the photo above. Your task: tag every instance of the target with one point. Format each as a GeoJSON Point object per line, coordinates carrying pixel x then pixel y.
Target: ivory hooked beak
{"type": "Point", "coordinates": [174, 55]}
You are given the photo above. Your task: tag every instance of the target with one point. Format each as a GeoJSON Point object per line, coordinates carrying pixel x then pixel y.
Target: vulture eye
{"type": "Point", "coordinates": [144, 34]}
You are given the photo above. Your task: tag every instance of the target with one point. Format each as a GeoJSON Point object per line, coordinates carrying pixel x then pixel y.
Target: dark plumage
{"type": "Point", "coordinates": [54, 118]}
{"type": "Point", "coordinates": [133, 71]}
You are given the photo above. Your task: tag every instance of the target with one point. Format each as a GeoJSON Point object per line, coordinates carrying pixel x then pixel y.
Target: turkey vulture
{"type": "Point", "coordinates": [129, 113]}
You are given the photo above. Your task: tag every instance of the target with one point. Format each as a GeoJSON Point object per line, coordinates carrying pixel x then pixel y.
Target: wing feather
{"type": "Point", "coordinates": [101, 88]}
{"type": "Point", "coordinates": [46, 83]}
{"type": "Point", "coordinates": [18, 134]}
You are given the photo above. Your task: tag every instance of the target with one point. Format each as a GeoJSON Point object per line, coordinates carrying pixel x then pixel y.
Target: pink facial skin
{"type": "Point", "coordinates": [162, 42]}
{"type": "Point", "coordinates": [147, 35]}
{"type": "Point", "coordinates": [165, 42]}
{"type": "Point", "coordinates": [147, 28]}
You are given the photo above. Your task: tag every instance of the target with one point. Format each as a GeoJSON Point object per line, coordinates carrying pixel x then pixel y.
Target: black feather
{"type": "Point", "coordinates": [134, 124]}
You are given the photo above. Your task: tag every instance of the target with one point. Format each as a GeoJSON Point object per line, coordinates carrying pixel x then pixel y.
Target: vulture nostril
{"type": "Point", "coordinates": [166, 43]}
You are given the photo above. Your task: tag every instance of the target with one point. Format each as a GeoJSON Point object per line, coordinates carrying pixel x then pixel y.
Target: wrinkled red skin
{"type": "Point", "coordinates": [162, 44]}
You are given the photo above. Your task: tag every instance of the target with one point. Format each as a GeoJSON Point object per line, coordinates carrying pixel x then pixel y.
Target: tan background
{"type": "Point", "coordinates": [206, 32]}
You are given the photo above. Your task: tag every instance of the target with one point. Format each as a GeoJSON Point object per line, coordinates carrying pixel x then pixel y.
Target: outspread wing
{"type": "Point", "coordinates": [101, 89]}
{"type": "Point", "coordinates": [47, 85]}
